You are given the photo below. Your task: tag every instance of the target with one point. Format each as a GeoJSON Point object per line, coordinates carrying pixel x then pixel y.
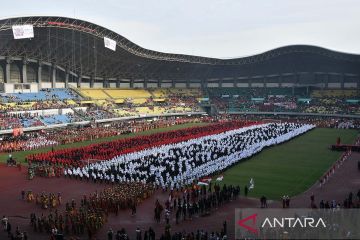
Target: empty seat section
{"type": "Point", "coordinates": [94, 93]}
{"type": "Point", "coordinates": [128, 93]}
{"type": "Point", "coordinates": [55, 119]}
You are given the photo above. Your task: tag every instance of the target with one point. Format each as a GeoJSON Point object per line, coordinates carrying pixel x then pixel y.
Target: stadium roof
{"type": "Point", "coordinates": [78, 46]}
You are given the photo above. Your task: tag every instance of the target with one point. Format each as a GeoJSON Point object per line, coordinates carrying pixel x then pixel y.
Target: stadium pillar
{"type": "Point", "coordinates": [264, 82]}
{"type": "Point", "coordinates": [280, 80]}
{"type": "Point", "coordinates": [173, 83]}
{"type": "Point", "coordinates": [235, 82]}
{"type": "Point", "coordinates": [293, 85]}
{"type": "Point", "coordinates": [53, 76]}
{"type": "Point", "coordinates": [249, 81]}
{"type": "Point", "coordinates": [327, 80]}
{"type": "Point", "coordinates": [131, 83]}
{"type": "Point", "coordinates": [342, 81]}
{"type": "Point", "coordinates": [66, 78]}
{"type": "Point", "coordinates": [187, 83]}
{"type": "Point", "coordinates": [24, 72]}
{"type": "Point", "coordinates": [92, 80]}
{"type": "Point", "coordinates": [203, 84]}
{"type": "Point", "coordinates": [78, 84]}
{"type": "Point", "coordinates": [159, 83]}
{"type": "Point", "coordinates": [106, 83]}
{"type": "Point", "coordinates": [117, 83]}
{"type": "Point", "coordinates": [220, 82]}
{"type": "Point", "coordinates": [7, 70]}
{"type": "Point", "coordinates": [358, 82]}
{"type": "Point", "coordinates": [297, 80]}
{"type": "Point", "coordinates": [39, 74]}
{"type": "Point", "coordinates": [145, 82]}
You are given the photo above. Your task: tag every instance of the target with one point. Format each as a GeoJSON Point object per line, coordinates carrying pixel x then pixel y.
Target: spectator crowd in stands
{"type": "Point", "coordinates": [57, 136]}
{"type": "Point", "coordinates": [284, 100]}
{"type": "Point", "coordinates": [15, 108]}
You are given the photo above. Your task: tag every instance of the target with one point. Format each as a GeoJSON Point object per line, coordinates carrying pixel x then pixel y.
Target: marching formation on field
{"type": "Point", "coordinates": [178, 164]}
{"type": "Point", "coordinates": [107, 150]}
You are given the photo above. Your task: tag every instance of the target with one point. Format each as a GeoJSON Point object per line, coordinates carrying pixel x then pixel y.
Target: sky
{"type": "Point", "coordinates": [212, 28]}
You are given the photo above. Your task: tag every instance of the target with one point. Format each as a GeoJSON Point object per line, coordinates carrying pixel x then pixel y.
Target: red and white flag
{"type": "Point", "coordinates": [206, 179]}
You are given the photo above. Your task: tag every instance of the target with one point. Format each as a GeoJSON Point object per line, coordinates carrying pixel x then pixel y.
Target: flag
{"type": "Point", "coordinates": [206, 179]}
{"type": "Point", "coordinates": [23, 31]}
{"type": "Point", "coordinates": [220, 178]}
{"type": "Point", "coordinates": [17, 132]}
{"type": "Point", "coordinates": [252, 183]}
{"type": "Point", "coordinates": [109, 43]}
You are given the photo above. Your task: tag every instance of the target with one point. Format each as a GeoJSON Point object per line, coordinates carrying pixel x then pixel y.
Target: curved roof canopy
{"type": "Point", "coordinates": [78, 46]}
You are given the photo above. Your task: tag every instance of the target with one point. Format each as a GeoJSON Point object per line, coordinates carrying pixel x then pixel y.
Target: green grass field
{"type": "Point", "coordinates": [290, 168]}
{"type": "Point", "coordinates": [20, 156]}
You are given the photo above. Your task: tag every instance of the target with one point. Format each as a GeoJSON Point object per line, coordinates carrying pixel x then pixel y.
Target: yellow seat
{"type": "Point", "coordinates": [334, 93]}
{"type": "Point", "coordinates": [128, 93]}
{"type": "Point", "coordinates": [94, 93]}
{"type": "Point", "coordinates": [139, 100]}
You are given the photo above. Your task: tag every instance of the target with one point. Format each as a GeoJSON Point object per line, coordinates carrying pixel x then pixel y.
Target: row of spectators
{"type": "Point", "coordinates": [188, 101]}
{"type": "Point", "coordinates": [36, 105]}
{"type": "Point", "coordinates": [53, 137]}
{"type": "Point", "coordinates": [286, 104]}
{"type": "Point", "coordinates": [100, 108]}
{"type": "Point", "coordinates": [164, 101]}
{"type": "Point", "coordinates": [141, 111]}
{"type": "Point", "coordinates": [94, 113]}
{"type": "Point", "coordinates": [325, 122]}
{"type": "Point", "coordinates": [25, 119]}
{"type": "Point", "coordinates": [46, 94]}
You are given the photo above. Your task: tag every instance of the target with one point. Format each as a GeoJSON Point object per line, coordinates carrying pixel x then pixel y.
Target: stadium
{"type": "Point", "coordinates": [103, 139]}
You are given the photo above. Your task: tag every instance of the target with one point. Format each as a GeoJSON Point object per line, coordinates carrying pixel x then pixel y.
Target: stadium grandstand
{"type": "Point", "coordinates": [83, 107]}
{"type": "Point", "coordinates": [67, 52]}
{"type": "Point", "coordinates": [65, 73]}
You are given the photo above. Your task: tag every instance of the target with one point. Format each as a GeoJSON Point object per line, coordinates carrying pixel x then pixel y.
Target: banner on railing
{"type": "Point", "coordinates": [23, 31]}
{"type": "Point", "coordinates": [109, 43]}
{"type": "Point", "coordinates": [17, 132]}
